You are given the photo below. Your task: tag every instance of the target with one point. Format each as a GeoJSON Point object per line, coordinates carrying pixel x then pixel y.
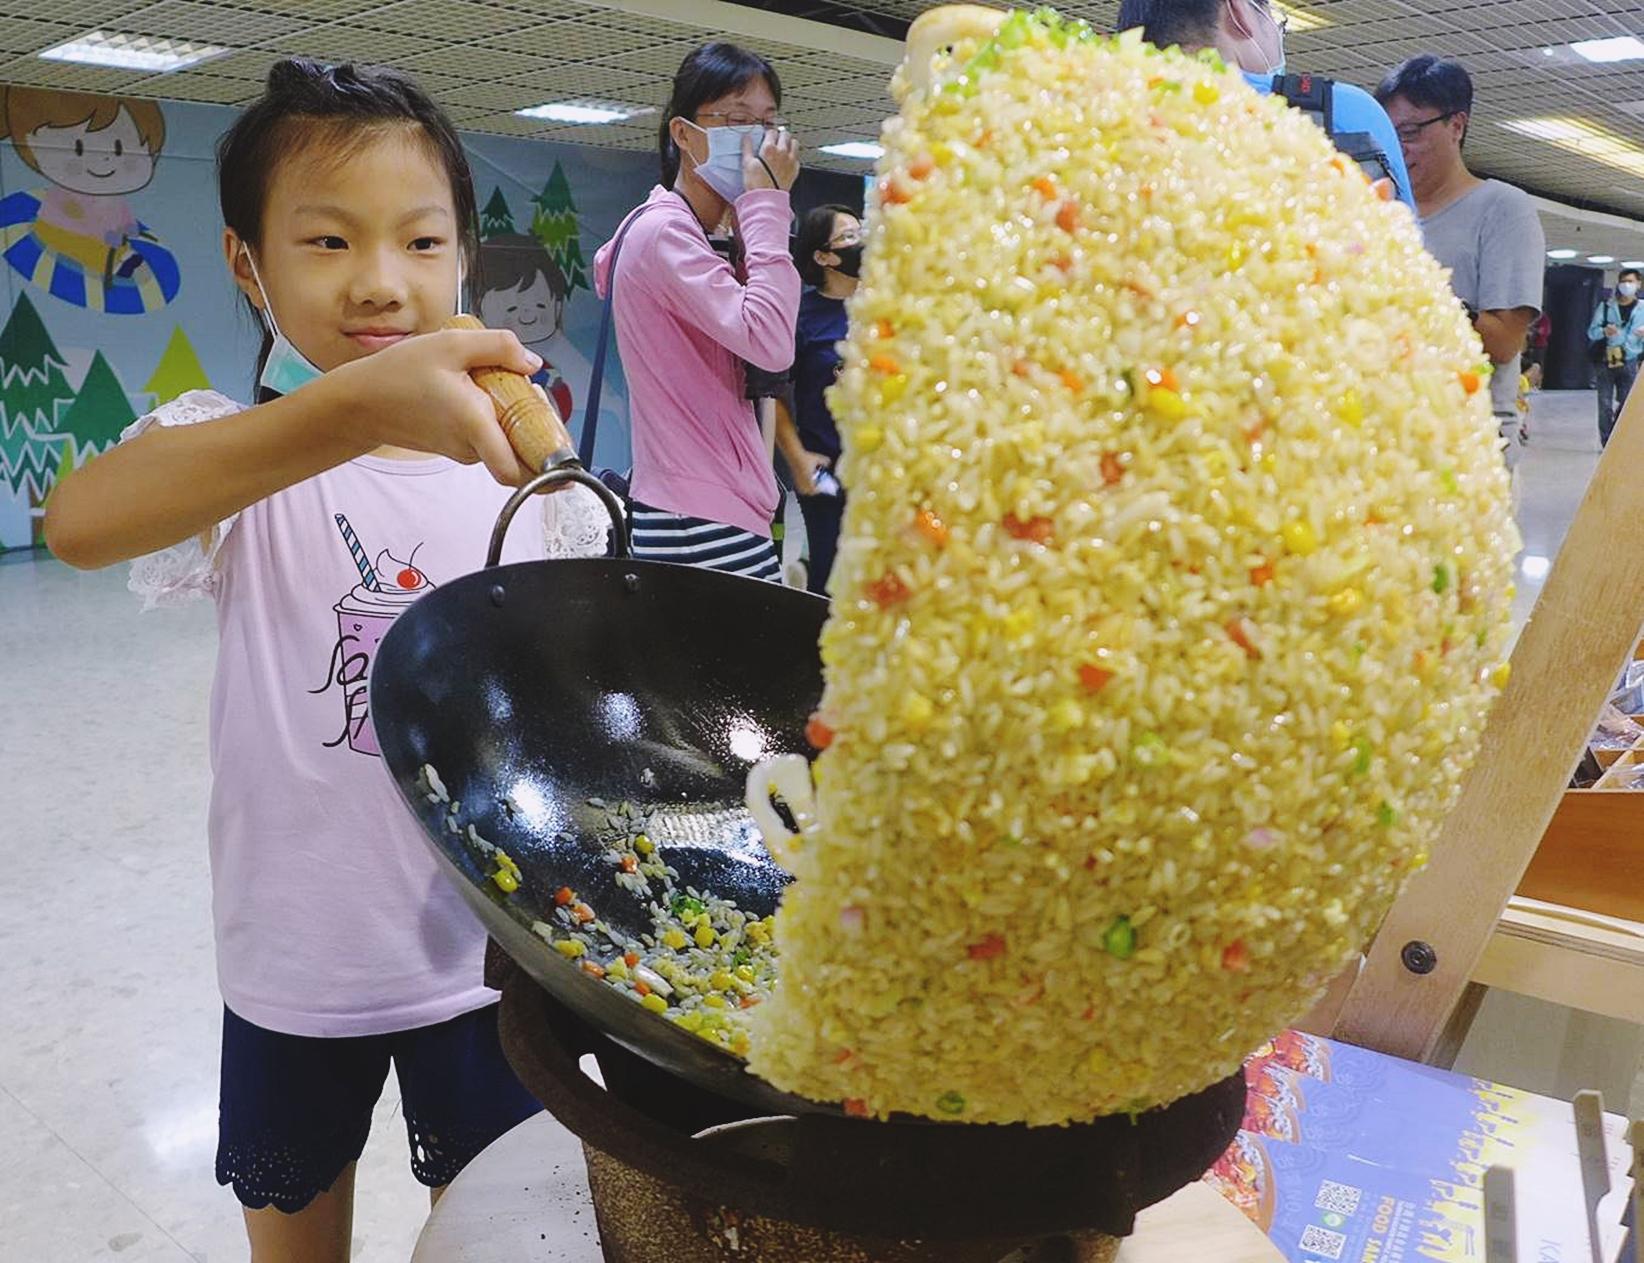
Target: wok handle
{"type": "Point", "coordinates": [572, 472]}
{"type": "Point", "coordinates": [533, 426]}
{"type": "Point", "coordinates": [543, 444]}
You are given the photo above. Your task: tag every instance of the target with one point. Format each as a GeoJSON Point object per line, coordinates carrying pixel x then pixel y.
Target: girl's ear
{"type": "Point", "coordinates": [237, 255]}
{"type": "Point", "coordinates": [684, 135]}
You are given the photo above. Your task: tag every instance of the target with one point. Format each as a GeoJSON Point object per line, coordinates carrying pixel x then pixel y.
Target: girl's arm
{"type": "Point", "coordinates": [172, 483]}
{"type": "Point", "coordinates": [755, 321]}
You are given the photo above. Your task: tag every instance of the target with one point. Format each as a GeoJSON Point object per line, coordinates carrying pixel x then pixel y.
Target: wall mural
{"type": "Point", "coordinates": [117, 300]}
{"type": "Point", "coordinates": [526, 282]}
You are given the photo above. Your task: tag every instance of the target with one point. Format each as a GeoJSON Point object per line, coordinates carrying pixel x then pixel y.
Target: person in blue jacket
{"type": "Point", "coordinates": [828, 253]}
{"type": "Point", "coordinates": [1617, 338]}
{"type": "Point", "coordinates": [1249, 34]}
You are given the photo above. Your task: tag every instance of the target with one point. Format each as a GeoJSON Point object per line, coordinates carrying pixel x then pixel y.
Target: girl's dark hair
{"type": "Point", "coordinates": [1190, 23]}
{"type": "Point", "coordinates": [815, 231]}
{"type": "Point", "coordinates": [306, 105]}
{"type": "Point", "coordinates": [708, 73]}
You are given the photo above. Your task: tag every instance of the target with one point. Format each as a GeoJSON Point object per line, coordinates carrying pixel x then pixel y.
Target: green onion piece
{"type": "Point", "coordinates": [1120, 939]}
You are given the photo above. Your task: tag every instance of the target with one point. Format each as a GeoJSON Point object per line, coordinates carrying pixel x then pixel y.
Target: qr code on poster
{"type": "Point", "coordinates": [1322, 1241]}
{"type": "Point", "coordinates": [1339, 1199]}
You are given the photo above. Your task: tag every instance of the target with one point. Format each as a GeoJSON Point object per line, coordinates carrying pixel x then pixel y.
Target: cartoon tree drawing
{"type": "Point", "coordinates": [100, 412]}
{"type": "Point", "coordinates": [178, 371]}
{"type": "Point", "coordinates": [32, 389]}
{"type": "Point", "coordinates": [554, 223]}
{"type": "Point", "coordinates": [496, 218]}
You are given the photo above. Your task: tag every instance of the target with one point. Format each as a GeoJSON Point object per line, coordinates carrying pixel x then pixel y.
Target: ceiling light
{"type": "Point", "coordinates": [1583, 138]}
{"type": "Point", "coordinates": [577, 112]}
{"type": "Point", "coordinates": [1301, 19]}
{"type": "Point", "coordinates": [1632, 263]}
{"type": "Point", "coordinates": [1562, 254]}
{"type": "Point", "coordinates": [132, 52]}
{"type": "Point", "coordinates": [863, 149]}
{"type": "Point", "coordinates": [1621, 48]}
{"type": "Point", "coordinates": [1601, 258]}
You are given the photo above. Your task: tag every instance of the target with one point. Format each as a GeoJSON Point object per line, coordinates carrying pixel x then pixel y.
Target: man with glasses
{"type": "Point", "coordinates": [1250, 34]}
{"type": "Point", "coordinates": [1486, 232]}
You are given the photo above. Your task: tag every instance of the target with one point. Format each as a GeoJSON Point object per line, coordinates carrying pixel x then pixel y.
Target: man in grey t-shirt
{"type": "Point", "coordinates": [1486, 232]}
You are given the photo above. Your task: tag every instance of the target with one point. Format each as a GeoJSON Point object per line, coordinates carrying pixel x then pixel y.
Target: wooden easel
{"type": "Point", "coordinates": [1579, 638]}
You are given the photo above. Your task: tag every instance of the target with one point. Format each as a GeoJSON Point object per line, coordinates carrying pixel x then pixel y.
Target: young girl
{"type": "Point", "coordinates": [354, 484]}
{"type": "Point", "coordinates": [703, 489]}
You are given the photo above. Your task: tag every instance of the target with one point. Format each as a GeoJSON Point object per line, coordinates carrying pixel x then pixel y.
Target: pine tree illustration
{"type": "Point", "coordinates": [554, 223]}
{"type": "Point", "coordinates": [496, 218]}
{"type": "Point", "coordinates": [178, 371]}
{"type": "Point", "coordinates": [32, 389]}
{"type": "Point", "coordinates": [94, 421]}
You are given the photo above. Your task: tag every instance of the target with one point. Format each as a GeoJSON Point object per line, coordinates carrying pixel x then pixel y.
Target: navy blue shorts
{"type": "Point", "coordinates": [296, 1110]}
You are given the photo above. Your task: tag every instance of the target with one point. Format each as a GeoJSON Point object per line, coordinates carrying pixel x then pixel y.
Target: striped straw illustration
{"type": "Point", "coordinates": [367, 572]}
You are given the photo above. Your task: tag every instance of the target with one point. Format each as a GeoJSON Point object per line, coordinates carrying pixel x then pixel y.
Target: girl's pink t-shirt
{"type": "Point", "coordinates": [332, 918]}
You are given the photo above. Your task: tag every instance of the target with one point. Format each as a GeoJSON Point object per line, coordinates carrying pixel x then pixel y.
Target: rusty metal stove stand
{"type": "Point", "coordinates": [846, 1190]}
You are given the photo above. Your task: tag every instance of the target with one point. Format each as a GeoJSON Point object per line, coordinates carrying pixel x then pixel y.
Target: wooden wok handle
{"type": "Point", "coordinates": [533, 426]}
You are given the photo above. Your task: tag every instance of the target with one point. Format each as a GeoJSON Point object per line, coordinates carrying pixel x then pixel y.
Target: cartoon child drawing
{"type": "Point", "coordinates": [523, 290]}
{"type": "Point", "coordinates": [385, 591]}
{"type": "Point", "coordinates": [78, 239]}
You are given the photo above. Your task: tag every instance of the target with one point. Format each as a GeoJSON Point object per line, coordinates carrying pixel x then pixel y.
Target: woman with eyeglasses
{"type": "Point", "coordinates": [828, 252]}
{"type": "Point", "coordinates": [688, 320]}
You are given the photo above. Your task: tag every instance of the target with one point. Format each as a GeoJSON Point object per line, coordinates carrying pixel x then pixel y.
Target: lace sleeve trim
{"type": "Point", "coordinates": [575, 524]}
{"type": "Point", "coordinates": [186, 571]}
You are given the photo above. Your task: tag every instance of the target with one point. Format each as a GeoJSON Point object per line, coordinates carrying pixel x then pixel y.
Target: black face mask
{"type": "Point", "coordinates": [850, 261]}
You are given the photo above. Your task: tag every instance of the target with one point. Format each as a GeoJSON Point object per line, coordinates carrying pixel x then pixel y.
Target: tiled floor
{"type": "Point", "coordinates": [108, 1007]}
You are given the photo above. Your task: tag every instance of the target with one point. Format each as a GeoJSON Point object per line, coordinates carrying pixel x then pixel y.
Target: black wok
{"type": "Point", "coordinates": [546, 695]}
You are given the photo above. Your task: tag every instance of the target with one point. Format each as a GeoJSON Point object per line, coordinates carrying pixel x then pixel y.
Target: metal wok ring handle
{"type": "Point", "coordinates": [553, 478]}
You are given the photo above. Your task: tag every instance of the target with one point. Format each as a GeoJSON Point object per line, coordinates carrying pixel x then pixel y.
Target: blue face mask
{"type": "Point", "coordinates": [286, 369]}
{"type": "Point", "coordinates": [722, 169]}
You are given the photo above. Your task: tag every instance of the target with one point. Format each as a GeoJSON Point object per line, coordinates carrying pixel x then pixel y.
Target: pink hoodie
{"type": "Point", "coordinates": [683, 321]}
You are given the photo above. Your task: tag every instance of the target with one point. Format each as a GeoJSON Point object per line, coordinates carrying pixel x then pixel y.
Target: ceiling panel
{"type": "Point", "coordinates": [488, 58]}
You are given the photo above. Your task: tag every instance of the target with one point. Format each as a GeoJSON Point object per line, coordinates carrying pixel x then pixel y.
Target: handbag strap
{"type": "Point", "coordinates": [596, 377]}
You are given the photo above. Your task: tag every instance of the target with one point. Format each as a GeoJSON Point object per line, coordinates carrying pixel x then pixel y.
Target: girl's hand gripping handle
{"type": "Point", "coordinates": [533, 427]}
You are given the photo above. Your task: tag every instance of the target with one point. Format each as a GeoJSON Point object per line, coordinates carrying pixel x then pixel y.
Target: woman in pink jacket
{"type": "Point", "coordinates": [686, 319]}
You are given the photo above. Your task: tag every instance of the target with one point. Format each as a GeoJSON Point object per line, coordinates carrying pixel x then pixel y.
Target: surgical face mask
{"type": "Point", "coordinates": [850, 260]}
{"type": "Point", "coordinates": [1278, 67]}
{"type": "Point", "coordinates": [286, 369]}
{"type": "Point", "coordinates": [1628, 289]}
{"type": "Point", "coordinates": [722, 169]}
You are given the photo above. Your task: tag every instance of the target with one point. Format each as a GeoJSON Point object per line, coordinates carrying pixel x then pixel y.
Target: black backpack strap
{"type": "Point", "coordinates": [1311, 94]}
{"type": "Point", "coordinates": [596, 378]}
{"type": "Point", "coordinates": [1315, 96]}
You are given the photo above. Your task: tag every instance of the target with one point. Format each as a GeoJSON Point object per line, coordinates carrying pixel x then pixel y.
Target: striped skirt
{"type": "Point", "coordinates": [692, 541]}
